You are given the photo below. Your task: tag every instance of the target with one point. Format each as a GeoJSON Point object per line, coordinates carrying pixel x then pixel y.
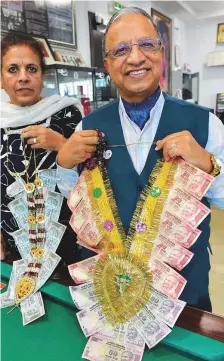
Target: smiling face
{"type": "Point", "coordinates": [22, 77]}
{"type": "Point", "coordinates": [135, 75]}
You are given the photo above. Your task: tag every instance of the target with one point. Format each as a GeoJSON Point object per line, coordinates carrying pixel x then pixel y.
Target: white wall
{"type": "Point", "coordinates": [178, 37]}
{"type": "Point", "coordinates": [82, 23]}
{"type": "Point", "coordinates": [82, 30]}
{"type": "Point", "coordinates": [197, 39]}
{"type": "Point", "coordinates": [200, 39]}
{"type": "Point", "coordinates": [101, 8]}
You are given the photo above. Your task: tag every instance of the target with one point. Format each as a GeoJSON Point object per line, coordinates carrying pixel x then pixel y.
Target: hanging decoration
{"type": "Point", "coordinates": [36, 209]}
{"type": "Point", "coordinates": [128, 294]}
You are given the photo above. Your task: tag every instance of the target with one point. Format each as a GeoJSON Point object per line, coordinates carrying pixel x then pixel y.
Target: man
{"type": "Point", "coordinates": [166, 307]}
{"type": "Point", "coordinates": [132, 333]}
{"type": "Point", "coordinates": [151, 328]}
{"type": "Point", "coordinates": [133, 55]}
{"type": "Point", "coordinates": [197, 185]}
{"type": "Point", "coordinates": [127, 356]}
{"type": "Point", "coordinates": [180, 235]}
{"type": "Point", "coordinates": [170, 286]}
{"type": "Point", "coordinates": [176, 257]}
{"type": "Point", "coordinates": [190, 213]}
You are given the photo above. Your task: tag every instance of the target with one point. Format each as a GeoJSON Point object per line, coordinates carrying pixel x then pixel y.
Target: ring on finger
{"type": "Point", "coordinates": [35, 140]}
{"type": "Point", "coordinates": [174, 145]}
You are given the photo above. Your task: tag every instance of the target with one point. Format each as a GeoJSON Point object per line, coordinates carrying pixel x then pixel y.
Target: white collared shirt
{"type": "Point", "coordinates": [133, 134]}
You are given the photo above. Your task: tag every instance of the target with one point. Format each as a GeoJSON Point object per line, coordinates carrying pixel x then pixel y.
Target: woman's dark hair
{"type": "Point", "coordinates": [13, 38]}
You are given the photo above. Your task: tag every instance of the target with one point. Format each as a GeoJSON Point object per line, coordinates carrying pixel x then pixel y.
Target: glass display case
{"type": "Point", "coordinates": [93, 87]}
{"type": "Point", "coordinates": [69, 80]}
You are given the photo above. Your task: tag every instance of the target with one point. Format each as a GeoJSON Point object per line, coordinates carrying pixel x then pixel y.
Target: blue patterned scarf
{"type": "Point", "coordinates": [140, 112]}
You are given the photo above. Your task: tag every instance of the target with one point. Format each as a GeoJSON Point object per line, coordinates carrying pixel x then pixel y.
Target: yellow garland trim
{"type": "Point", "coordinates": [112, 202]}
{"type": "Point", "coordinates": [141, 243]}
{"type": "Point", "coordinates": [111, 240]}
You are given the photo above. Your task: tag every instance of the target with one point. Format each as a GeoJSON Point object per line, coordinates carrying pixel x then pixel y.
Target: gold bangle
{"type": "Point", "coordinates": [216, 167]}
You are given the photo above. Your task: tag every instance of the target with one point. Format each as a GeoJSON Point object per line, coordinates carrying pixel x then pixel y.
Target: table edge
{"type": "Point", "coordinates": [179, 338]}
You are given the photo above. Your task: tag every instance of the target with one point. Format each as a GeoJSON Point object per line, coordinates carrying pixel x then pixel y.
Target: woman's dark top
{"type": "Point", "coordinates": [63, 122]}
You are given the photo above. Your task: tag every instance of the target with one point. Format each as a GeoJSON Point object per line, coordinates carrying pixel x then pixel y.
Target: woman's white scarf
{"type": "Point", "coordinates": [16, 116]}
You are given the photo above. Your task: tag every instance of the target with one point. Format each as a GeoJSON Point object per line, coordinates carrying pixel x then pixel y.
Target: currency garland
{"type": "Point", "coordinates": [37, 236]}
{"type": "Point", "coordinates": [36, 209]}
{"type": "Point", "coordinates": [128, 293]}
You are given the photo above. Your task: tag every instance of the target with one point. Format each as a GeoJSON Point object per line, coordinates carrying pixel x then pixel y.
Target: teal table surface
{"type": "Point", "coordinates": [58, 337]}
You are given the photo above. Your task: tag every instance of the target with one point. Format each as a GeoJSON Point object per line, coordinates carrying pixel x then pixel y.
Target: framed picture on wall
{"type": "Point", "coordinates": [46, 49]}
{"type": "Point", "coordinates": [164, 25]}
{"type": "Point", "coordinates": [61, 22]}
{"type": "Point", "coordinates": [68, 56]}
{"type": "Point", "coordinates": [53, 19]}
{"type": "Point", "coordinates": [12, 16]}
{"type": "Point", "coordinates": [220, 33]}
{"type": "Point", "coordinates": [44, 44]}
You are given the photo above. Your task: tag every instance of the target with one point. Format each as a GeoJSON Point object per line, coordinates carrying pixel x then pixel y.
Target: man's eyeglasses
{"type": "Point", "coordinates": [144, 45]}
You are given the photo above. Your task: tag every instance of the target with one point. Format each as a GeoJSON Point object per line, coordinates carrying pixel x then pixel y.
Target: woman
{"type": "Point", "coordinates": [30, 122]}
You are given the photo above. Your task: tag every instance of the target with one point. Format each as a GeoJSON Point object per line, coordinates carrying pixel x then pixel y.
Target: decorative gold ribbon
{"type": "Point", "coordinates": [122, 280]}
{"type": "Point", "coordinates": [111, 236]}
{"type": "Point", "coordinates": [153, 199]}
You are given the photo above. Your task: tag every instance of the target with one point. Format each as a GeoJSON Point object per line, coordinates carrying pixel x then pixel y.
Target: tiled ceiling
{"type": "Point", "coordinates": [193, 9]}
{"type": "Point", "coordinates": [204, 9]}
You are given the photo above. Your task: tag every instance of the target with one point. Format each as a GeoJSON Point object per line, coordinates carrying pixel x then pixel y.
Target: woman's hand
{"type": "Point", "coordinates": [3, 248]}
{"type": "Point", "coordinates": [42, 137]}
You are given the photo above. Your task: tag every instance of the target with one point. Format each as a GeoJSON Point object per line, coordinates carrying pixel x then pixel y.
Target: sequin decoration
{"type": "Point", "coordinates": [31, 220]}
{"type": "Point", "coordinates": [97, 192]}
{"type": "Point", "coordinates": [141, 227]}
{"type": "Point", "coordinates": [107, 154]}
{"type": "Point", "coordinates": [38, 183]}
{"type": "Point", "coordinates": [155, 192]}
{"type": "Point", "coordinates": [40, 218]}
{"type": "Point", "coordinates": [37, 252]}
{"type": "Point", "coordinates": [108, 225]}
{"type": "Point", "coordinates": [29, 187]}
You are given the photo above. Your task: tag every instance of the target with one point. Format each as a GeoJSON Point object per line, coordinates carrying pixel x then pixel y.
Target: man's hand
{"type": "Point", "coordinates": [80, 146]}
{"type": "Point", "coordinates": [42, 137]}
{"type": "Point", "coordinates": [184, 145]}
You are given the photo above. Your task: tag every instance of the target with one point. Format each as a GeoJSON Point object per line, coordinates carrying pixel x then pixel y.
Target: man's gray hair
{"type": "Point", "coordinates": [125, 11]}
